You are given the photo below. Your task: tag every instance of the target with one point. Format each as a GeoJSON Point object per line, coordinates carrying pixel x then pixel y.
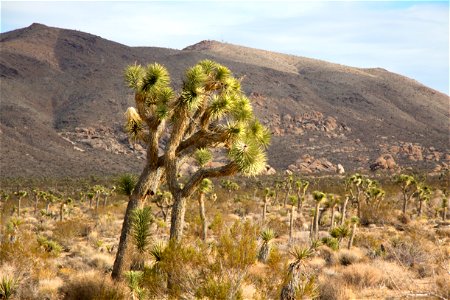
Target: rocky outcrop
{"type": "Point", "coordinates": [307, 164]}
{"type": "Point", "coordinates": [384, 162]}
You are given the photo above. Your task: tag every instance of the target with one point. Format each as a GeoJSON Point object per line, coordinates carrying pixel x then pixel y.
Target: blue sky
{"type": "Point", "coordinates": [406, 37]}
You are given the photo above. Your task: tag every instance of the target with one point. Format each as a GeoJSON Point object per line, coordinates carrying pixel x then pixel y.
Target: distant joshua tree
{"type": "Point", "coordinates": [318, 197]}
{"type": "Point", "coordinates": [408, 186]}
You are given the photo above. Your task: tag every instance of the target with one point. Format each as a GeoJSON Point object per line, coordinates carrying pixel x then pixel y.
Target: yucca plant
{"type": "Point", "coordinates": [157, 254]}
{"type": "Point", "coordinates": [210, 111]}
{"type": "Point", "coordinates": [141, 221]}
{"type": "Point", "coordinates": [134, 279]}
{"type": "Point", "coordinates": [126, 183]}
{"type": "Point", "coordinates": [8, 286]}
{"type": "Point", "coordinates": [266, 236]}
{"type": "Point", "coordinates": [292, 281]}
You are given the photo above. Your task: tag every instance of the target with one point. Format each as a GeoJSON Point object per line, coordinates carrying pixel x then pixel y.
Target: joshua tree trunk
{"type": "Point", "coordinates": [201, 203]}
{"type": "Point", "coordinates": [61, 212]}
{"type": "Point", "coordinates": [47, 207]}
{"type": "Point", "coordinates": [264, 252]}
{"type": "Point", "coordinates": [146, 186]}
{"type": "Point", "coordinates": [288, 291]}
{"type": "Point", "coordinates": [287, 195]}
{"type": "Point", "coordinates": [291, 222]}
{"type": "Point", "coordinates": [90, 202]}
{"type": "Point", "coordinates": [316, 220]}
{"type": "Point", "coordinates": [18, 206]}
{"type": "Point", "coordinates": [332, 216]}
{"type": "Point", "coordinates": [264, 209]}
{"type": "Point", "coordinates": [420, 208]}
{"type": "Point", "coordinates": [177, 218]}
{"type": "Point", "coordinates": [344, 210]}
{"type": "Point", "coordinates": [97, 200]}
{"type": "Point", "coordinates": [352, 236]}
{"type": "Point", "coordinates": [405, 203]}
{"type": "Point", "coordinates": [105, 200]}
{"type": "Point", "coordinates": [36, 202]}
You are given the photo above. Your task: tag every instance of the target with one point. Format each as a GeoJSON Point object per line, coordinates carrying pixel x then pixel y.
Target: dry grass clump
{"type": "Point", "coordinates": [92, 286]}
{"type": "Point", "coordinates": [101, 261]}
{"type": "Point", "coordinates": [65, 231]}
{"type": "Point", "coordinates": [349, 257]}
{"type": "Point", "coordinates": [362, 276]}
{"type": "Point", "coordinates": [328, 255]}
{"type": "Point", "coordinates": [442, 282]}
{"type": "Point", "coordinates": [395, 277]}
{"type": "Point", "coordinates": [333, 288]}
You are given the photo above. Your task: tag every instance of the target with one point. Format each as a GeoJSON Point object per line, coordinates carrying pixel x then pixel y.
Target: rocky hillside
{"type": "Point", "coordinates": [63, 98]}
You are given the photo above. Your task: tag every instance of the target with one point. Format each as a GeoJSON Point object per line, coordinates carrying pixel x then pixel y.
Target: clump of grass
{"type": "Point", "coordinates": [333, 288]}
{"type": "Point", "coordinates": [362, 276]}
{"type": "Point", "coordinates": [348, 257]}
{"type": "Point", "coordinates": [49, 246]}
{"type": "Point", "coordinates": [8, 286]}
{"type": "Point", "coordinates": [92, 286]}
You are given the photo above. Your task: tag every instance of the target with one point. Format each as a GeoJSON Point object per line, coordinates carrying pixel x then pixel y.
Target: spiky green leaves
{"type": "Point", "coordinates": [203, 156]}
{"type": "Point", "coordinates": [250, 157]}
{"type": "Point", "coordinates": [267, 235]}
{"type": "Point", "coordinates": [141, 221]}
{"type": "Point", "coordinates": [133, 76]}
{"type": "Point", "coordinates": [156, 76]}
{"type": "Point", "coordinates": [126, 184]}
{"type": "Point", "coordinates": [206, 186]}
{"type": "Point", "coordinates": [319, 196]}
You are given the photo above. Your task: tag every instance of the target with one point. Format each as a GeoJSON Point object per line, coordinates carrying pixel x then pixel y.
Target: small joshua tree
{"type": "Point", "coordinates": [318, 197]}
{"type": "Point", "coordinates": [444, 206]}
{"type": "Point", "coordinates": [354, 221]}
{"type": "Point", "coordinates": [268, 193]}
{"type": "Point", "coordinates": [333, 201]}
{"type": "Point", "coordinates": [339, 233]}
{"type": "Point", "coordinates": [423, 194]}
{"type": "Point", "coordinates": [288, 187]}
{"type": "Point", "coordinates": [293, 201]}
{"type": "Point", "coordinates": [267, 236]}
{"type": "Point", "coordinates": [302, 187]}
{"type": "Point", "coordinates": [20, 196]}
{"type": "Point", "coordinates": [300, 255]}
{"type": "Point", "coordinates": [164, 202]}
{"type": "Point", "coordinates": [408, 186]}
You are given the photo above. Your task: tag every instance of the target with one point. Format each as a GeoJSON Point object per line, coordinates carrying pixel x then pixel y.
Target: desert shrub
{"type": "Point", "coordinates": [217, 224]}
{"type": "Point", "coordinates": [333, 288]}
{"type": "Point", "coordinates": [408, 252]}
{"type": "Point", "coordinates": [374, 214]}
{"type": "Point", "coordinates": [278, 226]}
{"type": "Point", "coordinates": [328, 254]}
{"type": "Point", "coordinates": [442, 282]}
{"type": "Point", "coordinates": [65, 231]}
{"type": "Point", "coordinates": [331, 242]}
{"type": "Point", "coordinates": [371, 242]}
{"type": "Point", "coordinates": [269, 279]}
{"type": "Point", "coordinates": [395, 277]}
{"type": "Point", "coordinates": [217, 289]}
{"type": "Point", "coordinates": [362, 276]}
{"type": "Point", "coordinates": [348, 257]}
{"type": "Point", "coordinates": [49, 246]}
{"type": "Point", "coordinates": [92, 286]}
{"type": "Point", "coordinates": [404, 219]}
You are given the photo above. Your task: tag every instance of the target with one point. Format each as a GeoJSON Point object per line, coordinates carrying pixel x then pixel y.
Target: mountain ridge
{"type": "Point", "coordinates": [66, 88]}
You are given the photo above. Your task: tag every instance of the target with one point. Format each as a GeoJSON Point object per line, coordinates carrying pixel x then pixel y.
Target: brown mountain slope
{"type": "Point", "coordinates": [63, 98]}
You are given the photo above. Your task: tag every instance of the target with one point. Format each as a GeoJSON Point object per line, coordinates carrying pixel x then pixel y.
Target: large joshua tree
{"type": "Point", "coordinates": [210, 111]}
